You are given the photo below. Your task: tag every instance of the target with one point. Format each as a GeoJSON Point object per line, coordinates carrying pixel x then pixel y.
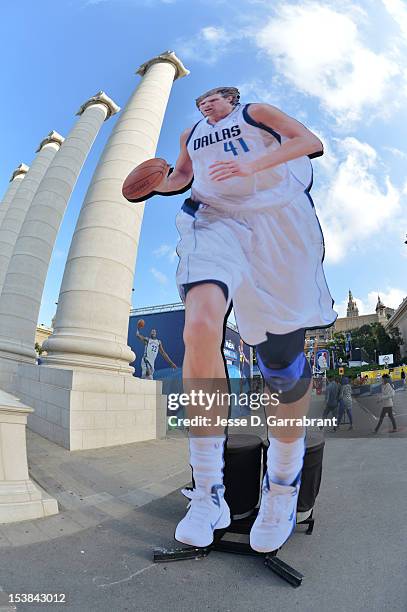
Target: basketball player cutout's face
{"type": "Point", "coordinates": [153, 334]}
{"type": "Point", "coordinates": [216, 107]}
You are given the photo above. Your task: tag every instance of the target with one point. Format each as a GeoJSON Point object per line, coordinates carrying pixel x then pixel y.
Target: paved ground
{"type": "Point", "coordinates": [118, 504]}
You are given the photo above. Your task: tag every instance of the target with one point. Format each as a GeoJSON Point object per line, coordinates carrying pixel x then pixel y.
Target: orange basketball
{"type": "Point", "coordinates": [140, 323]}
{"type": "Point", "coordinates": [142, 181]}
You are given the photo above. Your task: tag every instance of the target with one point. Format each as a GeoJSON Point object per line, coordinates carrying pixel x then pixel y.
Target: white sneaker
{"type": "Point", "coordinates": [275, 521]}
{"type": "Point", "coordinates": [207, 512]}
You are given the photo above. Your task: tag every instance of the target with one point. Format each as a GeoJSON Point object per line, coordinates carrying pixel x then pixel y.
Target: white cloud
{"type": "Point", "coordinates": [166, 250]}
{"type": "Point", "coordinates": [213, 34]}
{"type": "Point", "coordinates": [320, 51]}
{"type": "Point", "coordinates": [352, 205]}
{"type": "Point", "coordinates": [257, 90]}
{"type": "Point", "coordinates": [396, 152]}
{"type": "Point", "coordinates": [398, 10]}
{"type": "Point", "coordinates": [206, 46]}
{"type": "Point", "coordinates": [161, 278]}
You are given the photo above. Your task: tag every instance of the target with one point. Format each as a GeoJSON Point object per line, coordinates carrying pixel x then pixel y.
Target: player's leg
{"type": "Point", "coordinates": [205, 307]}
{"type": "Point", "coordinates": [287, 374]}
{"type": "Point", "coordinates": [204, 373]}
{"type": "Point", "coordinates": [284, 293]}
{"type": "Point", "coordinates": [150, 370]}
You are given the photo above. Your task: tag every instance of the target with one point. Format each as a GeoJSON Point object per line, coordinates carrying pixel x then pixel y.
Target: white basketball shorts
{"type": "Point", "coordinates": [270, 260]}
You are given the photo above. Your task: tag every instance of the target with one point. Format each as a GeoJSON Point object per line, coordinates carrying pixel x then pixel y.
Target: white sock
{"type": "Point", "coordinates": [206, 459]}
{"type": "Point", "coordinates": [284, 460]}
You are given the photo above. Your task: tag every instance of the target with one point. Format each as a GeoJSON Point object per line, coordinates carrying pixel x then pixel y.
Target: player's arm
{"type": "Point", "coordinates": [301, 142]}
{"type": "Point", "coordinates": [165, 356]}
{"type": "Point", "coordinates": [141, 337]}
{"type": "Point", "coordinates": [182, 175]}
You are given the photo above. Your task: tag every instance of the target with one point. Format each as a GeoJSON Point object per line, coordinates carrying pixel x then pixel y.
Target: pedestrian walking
{"type": "Point", "coordinates": [386, 399]}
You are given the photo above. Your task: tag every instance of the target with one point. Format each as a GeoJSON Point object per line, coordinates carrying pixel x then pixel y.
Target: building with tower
{"type": "Point", "coordinates": [352, 309]}
{"type": "Point", "coordinates": [353, 320]}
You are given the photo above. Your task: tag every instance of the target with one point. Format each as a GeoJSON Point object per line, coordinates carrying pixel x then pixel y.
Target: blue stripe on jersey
{"type": "Point", "coordinates": [192, 131]}
{"type": "Point", "coordinates": [252, 121]}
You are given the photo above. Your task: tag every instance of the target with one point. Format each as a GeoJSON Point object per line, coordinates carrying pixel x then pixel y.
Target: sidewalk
{"type": "Point", "coordinates": [118, 504]}
{"type": "Point", "coordinates": [96, 485]}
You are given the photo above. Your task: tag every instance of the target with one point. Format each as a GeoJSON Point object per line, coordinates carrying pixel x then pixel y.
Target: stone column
{"type": "Point", "coordinates": [24, 283]}
{"type": "Point", "coordinates": [20, 498]}
{"type": "Point", "coordinates": [14, 218]}
{"type": "Point", "coordinates": [15, 182]}
{"type": "Point", "coordinates": [93, 306]}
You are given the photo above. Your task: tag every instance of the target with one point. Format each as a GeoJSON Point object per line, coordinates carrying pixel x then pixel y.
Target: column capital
{"type": "Point", "coordinates": [167, 56]}
{"type": "Point", "coordinates": [100, 98]}
{"type": "Point", "coordinates": [51, 137]}
{"type": "Point", "coordinates": [21, 169]}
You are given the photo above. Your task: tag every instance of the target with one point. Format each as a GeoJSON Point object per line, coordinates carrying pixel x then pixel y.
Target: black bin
{"type": "Point", "coordinates": [311, 471]}
{"type": "Point", "coordinates": [242, 473]}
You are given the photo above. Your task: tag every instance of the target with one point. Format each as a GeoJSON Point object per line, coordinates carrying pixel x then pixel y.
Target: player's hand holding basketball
{"type": "Point", "coordinates": [223, 170]}
{"type": "Point", "coordinates": [145, 180]}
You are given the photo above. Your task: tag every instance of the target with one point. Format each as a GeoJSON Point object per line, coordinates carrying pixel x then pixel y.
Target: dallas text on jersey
{"type": "Point", "coordinates": [217, 136]}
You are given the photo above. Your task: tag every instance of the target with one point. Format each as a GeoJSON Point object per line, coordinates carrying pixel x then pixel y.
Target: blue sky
{"type": "Point", "coordinates": [337, 66]}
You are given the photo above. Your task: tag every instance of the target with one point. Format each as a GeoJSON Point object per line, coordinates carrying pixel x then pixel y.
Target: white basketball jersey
{"type": "Point", "coordinates": [239, 137]}
{"type": "Point", "coordinates": [151, 350]}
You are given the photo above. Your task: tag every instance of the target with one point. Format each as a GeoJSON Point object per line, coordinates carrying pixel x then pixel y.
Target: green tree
{"type": "Point", "coordinates": [373, 340]}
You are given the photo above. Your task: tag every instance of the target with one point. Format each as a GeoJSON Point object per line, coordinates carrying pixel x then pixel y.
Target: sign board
{"type": "Point", "coordinates": [322, 360]}
{"type": "Point", "coordinates": [385, 360]}
{"type": "Point", "coordinates": [375, 375]}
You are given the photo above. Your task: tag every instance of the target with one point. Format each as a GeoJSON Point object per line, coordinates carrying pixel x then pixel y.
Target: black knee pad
{"type": "Point", "coordinates": [283, 365]}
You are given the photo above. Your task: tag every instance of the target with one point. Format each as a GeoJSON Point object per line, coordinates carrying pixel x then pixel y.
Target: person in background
{"type": "Point", "coordinates": [345, 401]}
{"type": "Point", "coordinates": [331, 398]}
{"type": "Point", "coordinates": [386, 400]}
{"type": "Point", "coordinates": [403, 378]}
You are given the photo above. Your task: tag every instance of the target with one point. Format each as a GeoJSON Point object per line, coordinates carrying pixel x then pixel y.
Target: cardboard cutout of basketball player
{"type": "Point", "coordinates": [152, 346]}
{"type": "Point", "coordinates": [248, 233]}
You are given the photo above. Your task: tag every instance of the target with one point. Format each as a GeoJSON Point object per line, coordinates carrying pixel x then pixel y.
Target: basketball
{"type": "Point", "coordinates": [141, 182]}
{"type": "Point", "coordinates": [140, 323]}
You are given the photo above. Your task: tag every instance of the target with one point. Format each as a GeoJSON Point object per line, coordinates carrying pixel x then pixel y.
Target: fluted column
{"type": "Point", "coordinates": [24, 283]}
{"type": "Point", "coordinates": [16, 213]}
{"type": "Point", "coordinates": [15, 182]}
{"type": "Point", "coordinates": [93, 306]}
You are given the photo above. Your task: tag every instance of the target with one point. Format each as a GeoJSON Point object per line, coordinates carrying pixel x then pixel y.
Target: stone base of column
{"type": "Point", "coordinates": [82, 409]}
{"type": "Point", "coordinates": [20, 498]}
{"type": "Point", "coordinates": [8, 374]}
{"type": "Point", "coordinates": [25, 501]}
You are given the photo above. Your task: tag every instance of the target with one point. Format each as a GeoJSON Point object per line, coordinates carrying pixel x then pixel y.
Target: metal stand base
{"type": "Point", "coordinates": [242, 526]}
